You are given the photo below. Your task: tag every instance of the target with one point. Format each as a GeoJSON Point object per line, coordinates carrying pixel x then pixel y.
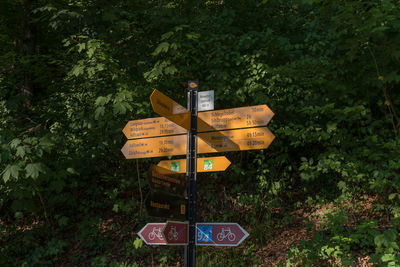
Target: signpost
{"type": "Point", "coordinates": [185, 131]}
{"type": "Point", "coordinates": [176, 233]}
{"type": "Point", "coordinates": [220, 234]}
{"type": "Point", "coordinates": [151, 234]}
{"type": "Point", "coordinates": [214, 164]}
{"type": "Point", "coordinates": [162, 179]}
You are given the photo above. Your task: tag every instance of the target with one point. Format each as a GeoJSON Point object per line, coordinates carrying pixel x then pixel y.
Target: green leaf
{"type": "Point", "coordinates": [46, 143]}
{"type": "Point", "coordinates": [115, 208]}
{"type": "Point", "coordinates": [101, 101]}
{"type": "Point", "coordinates": [15, 142]}
{"type": "Point", "coordinates": [342, 185]}
{"type": "Point", "coordinates": [138, 243]}
{"type": "Point", "coordinates": [119, 108]}
{"type": "Point", "coordinates": [7, 173]}
{"type": "Point", "coordinates": [193, 36]}
{"type": "Point", "coordinates": [15, 171]}
{"type": "Point", "coordinates": [72, 171]}
{"type": "Point", "coordinates": [77, 70]}
{"type": "Point", "coordinates": [20, 151]}
{"type": "Point", "coordinates": [81, 47]}
{"type": "Point", "coordinates": [91, 51]}
{"type": "Point", "coordinates": [163, 47]}
{"type": "Point", "coordinates": [387, 257]}
{"type": "Point", "coordinates": [100, 67]}
{"type": "Point", "coordinates": [170, 70]}
{"type": "Point", "coordinates": [166, 35]}
{"type": "Point", "coordinates": [331, 126]}
{"type": "Point", "coordinates": [99, 112]}
{"type": "Point", "coordinates": [33, 170]}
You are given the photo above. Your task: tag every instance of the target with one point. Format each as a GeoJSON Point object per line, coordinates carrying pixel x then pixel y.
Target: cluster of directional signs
{"type": "Point", "coordinates": [218, 131]}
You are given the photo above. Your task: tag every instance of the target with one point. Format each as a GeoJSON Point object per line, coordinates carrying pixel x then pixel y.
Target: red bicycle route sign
{"type": "Point", "coordinates": [151, 234]}
{"type": "Point", "coordinates": [176, 233]}
{"type": "Point", "coordinates": [220, 234]}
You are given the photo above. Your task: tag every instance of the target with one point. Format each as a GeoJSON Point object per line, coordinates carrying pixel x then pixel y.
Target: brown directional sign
{"type": "Point", "coordinates": [209, 142]}
{"type": "Point", "coordinates": [214, 164]}
{"type": "Point", "coordinates": [168, 108]}
{"type": "Point", "coordinates": [235, 118]}
{"type": "Point", "coordinates": [167, 181]}
{"type": "Point", "coordinates": [166, 206]}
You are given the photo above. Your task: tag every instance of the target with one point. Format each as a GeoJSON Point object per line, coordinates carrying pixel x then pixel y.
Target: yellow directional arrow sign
{"type": "Point", "coordinates": [234, 118]}
{"type": "Point", "coordinates": [214, 164]}
{"type": "Point", "coordinates": [175, 115]}
{"type": "Point", "coordinates": [151, 127]}
{"type": "Point", "coordinates": [168, 108]}
{"type": "Point", "coordinates": [210, 142]}
{"type": "Point", "coordinates": [233, 140]}
{"type": "Point", "coordinates": [155, 147]}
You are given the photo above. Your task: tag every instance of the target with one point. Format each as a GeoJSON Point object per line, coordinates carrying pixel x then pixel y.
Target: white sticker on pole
{"type": "Point", "coordinates": [205, 100]}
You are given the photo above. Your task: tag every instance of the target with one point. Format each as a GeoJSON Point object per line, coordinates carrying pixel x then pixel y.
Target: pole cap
{"type": "Point", "coordinates": [193, 85]}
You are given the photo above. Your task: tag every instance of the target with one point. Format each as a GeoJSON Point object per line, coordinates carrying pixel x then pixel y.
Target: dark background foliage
{"type": "Point", "coordinates": [72, 73]}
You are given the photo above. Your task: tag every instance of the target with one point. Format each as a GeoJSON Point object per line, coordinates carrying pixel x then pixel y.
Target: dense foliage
{"type": "Point", "coordinates": [72, 73]}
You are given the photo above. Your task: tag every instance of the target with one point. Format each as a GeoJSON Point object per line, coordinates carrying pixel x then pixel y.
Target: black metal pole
{"type": "Point", "coordinates": [191, 170]}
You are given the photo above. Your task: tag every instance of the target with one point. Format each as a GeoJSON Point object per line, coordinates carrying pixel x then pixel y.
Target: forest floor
{"type": "Point", "coordinates": [278, 246]}
{"type": "Point", "coordinates": [303, 224]}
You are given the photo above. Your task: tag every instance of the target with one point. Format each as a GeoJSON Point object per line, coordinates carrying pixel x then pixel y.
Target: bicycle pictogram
{"type": "Point", "coordinates": [173, 234]}
{"type": "Point", "coordinates": [156, 232]}
{"type": "Point", "coordinates": [226, 233]}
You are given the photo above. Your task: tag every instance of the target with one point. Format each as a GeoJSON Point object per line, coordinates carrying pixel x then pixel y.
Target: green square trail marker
{"type": "Point", "coordinates": [208, 164]}
{"type": "Point", "coordinates": [175, 166]}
